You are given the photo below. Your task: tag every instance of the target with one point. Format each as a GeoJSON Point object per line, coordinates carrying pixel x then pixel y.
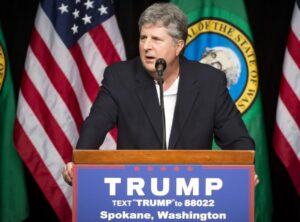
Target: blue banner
{"type": "Point", "coordinates": [163, 193]}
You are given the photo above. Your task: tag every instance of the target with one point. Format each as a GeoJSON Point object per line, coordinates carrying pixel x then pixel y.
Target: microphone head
{"type": "Point", "coordinates": [160, 65]}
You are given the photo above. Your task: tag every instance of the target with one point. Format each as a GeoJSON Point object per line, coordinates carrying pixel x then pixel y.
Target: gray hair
{"type": "Point", "coordinates": [167, 15]}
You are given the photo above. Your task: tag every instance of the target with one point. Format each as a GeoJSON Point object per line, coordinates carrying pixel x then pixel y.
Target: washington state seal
{"type": "Point", "coordinates": [225, 47]}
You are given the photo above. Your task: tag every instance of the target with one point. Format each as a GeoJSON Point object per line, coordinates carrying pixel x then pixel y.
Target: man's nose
{"type": "Point", "coordinates": [147, 44]}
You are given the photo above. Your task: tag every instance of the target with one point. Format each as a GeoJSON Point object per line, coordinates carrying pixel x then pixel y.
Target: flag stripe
{"type": "Point", "coordinates": [114, 133]}
{"type": "Point", "coordinates": [51, 97]}
{"type": "Point", "coordinates": [290, 100]}
{"type": "Point", "coordinates": [93, 57]}
{"type": "Point", "coordinates": [109, 142]}
{"type": "Point", "coordinates": [293, 47]}
{"type": "Point", "coordinates": [114, 36]}
{"type": "Point", "coordinates": [292, 73]}
{"type": "Point", "coordinates": [104, 44]}
{"type": "Point", "coordinates": [295, 21]}
{"type": "Point", "coordinates": [46, 119]}
{"type": "Point", "coordinates": [90, 83]}
{"type": "Point", "coordinates": [288, 126]}
{"type": "Point", "coordinates": [58, 80]}
{"type": "Point", "coordinates": [287, 155]}
{"type": "Point", "coordinates": [45, 180]}
{"type": "Point", "coordinates": [63, 58]}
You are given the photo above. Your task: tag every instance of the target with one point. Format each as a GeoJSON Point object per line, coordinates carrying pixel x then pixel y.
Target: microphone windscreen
{"type": "Point", "coordinates": [160, 65]}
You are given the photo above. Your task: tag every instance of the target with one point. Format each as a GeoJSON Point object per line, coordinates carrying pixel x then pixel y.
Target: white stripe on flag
{"type": "Point", "coordinates": [292, 73]}
{"type": "Point", "coordinates": [295, 22]}
{"type": "Point", "coordinates": [109, 143]}
{"type": "Point", "coordinates": [288, 127]}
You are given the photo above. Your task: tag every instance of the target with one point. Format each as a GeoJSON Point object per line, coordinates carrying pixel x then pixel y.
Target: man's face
{"type": "Point", "coordinates": [155, 43]}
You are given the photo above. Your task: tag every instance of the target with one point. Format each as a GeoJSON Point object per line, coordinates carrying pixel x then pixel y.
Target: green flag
{"type": "Point", "coordinates": [13, 196]}
{"type": "Point", "coordinates": [219, 35]}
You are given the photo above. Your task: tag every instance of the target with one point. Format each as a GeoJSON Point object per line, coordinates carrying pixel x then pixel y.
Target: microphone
{"type": "Point", "coordinates": [160, 66]}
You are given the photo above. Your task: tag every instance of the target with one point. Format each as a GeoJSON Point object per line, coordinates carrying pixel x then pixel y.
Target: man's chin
{"type": "Point", "coordinates": [150, 69]}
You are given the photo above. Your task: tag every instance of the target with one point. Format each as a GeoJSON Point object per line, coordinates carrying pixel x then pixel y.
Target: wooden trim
{"type": "Point", "coordinates": [222, 157]}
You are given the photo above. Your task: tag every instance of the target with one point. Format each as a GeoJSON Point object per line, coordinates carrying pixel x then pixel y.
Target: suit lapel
{"type": "Point", "coordinates": [186, 96]}
{"type": "Point", "coordinates": [146, 91]}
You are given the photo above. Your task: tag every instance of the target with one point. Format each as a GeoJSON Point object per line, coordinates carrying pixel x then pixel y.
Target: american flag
{"type": "Point", "coordinates": [286, 139]}
{"type": "Point", "coordinates": [72, 42]}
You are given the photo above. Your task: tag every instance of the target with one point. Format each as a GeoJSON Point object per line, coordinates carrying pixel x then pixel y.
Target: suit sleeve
{"type": "Point", "coordinates": [102, 117]}
{"type": "Point", "coordinates": [230, 130]}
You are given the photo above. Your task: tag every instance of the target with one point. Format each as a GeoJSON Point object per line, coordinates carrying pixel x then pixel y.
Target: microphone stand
{"type": "Point", "coordinates": [160, 82]}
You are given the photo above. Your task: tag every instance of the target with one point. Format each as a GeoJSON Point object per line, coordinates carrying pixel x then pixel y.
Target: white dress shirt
{"type": "Point", "coordinates": [170, 96]}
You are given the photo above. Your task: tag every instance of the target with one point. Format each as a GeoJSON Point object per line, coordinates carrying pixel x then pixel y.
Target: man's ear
{"type": "Point", "coordinates": [179, 47]}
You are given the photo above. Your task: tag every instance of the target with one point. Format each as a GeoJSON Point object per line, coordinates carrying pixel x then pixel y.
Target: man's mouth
{"type": "Point", "coordinates": [150, 58]}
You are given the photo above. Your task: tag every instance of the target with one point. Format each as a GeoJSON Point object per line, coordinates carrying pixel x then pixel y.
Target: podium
{"type": "Point", "coordinates": [163, 185]}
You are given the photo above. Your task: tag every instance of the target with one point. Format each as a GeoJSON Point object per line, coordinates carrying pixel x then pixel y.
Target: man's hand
{"type": "Point", "coordinates": [67, 173]}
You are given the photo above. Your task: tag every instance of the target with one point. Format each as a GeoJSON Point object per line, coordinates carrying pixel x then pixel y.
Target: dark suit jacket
{"type": "Point", "coordinates": [128, 99]}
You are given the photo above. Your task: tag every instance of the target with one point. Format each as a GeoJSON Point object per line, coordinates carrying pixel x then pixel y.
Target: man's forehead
{"type": "Point", "coordinates": [157, 24]}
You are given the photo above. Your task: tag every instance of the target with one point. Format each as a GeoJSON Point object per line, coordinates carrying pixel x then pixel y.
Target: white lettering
{"type": "Point", "coordinates": [183, 188]}
{"type": "Point", "coordinates": [112, 185]}
{"type": "Point", "coordinates": [165, 187]}
{"type": "Point", "coordinates": [212, 184]}
{"type": "Point", "coordinates": [124, 216]}
{"type": "Point", "coordinates": [137, 185]}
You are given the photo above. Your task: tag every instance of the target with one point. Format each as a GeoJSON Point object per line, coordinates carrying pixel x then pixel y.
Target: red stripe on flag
{"type": "Point", "coordinates": [290, 99]}
{"type": "Point", "coordinates": [56, 76]}
{"type": "Point", "coordinates": [40, 172]}
{"type": "Point", "coordinates": [105, 45]}
{"type": "Point", "coordinates": [287, 156]}
{"type": "Point", "coordinates": [90, 84]}
{"type": "Point", "coordinates": [114, 133]}
{"type": "Point", "coordinates": [47, 120]}
{"type": "Point", "coordinates": [294, 47]}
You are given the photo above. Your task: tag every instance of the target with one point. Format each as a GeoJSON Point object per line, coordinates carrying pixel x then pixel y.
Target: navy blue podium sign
{"type": "Point", "coordinates": [163, 193]}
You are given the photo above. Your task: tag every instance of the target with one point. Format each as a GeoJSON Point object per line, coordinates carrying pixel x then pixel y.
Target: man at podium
{"type": "Point", "coordinates": [197, 104]}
